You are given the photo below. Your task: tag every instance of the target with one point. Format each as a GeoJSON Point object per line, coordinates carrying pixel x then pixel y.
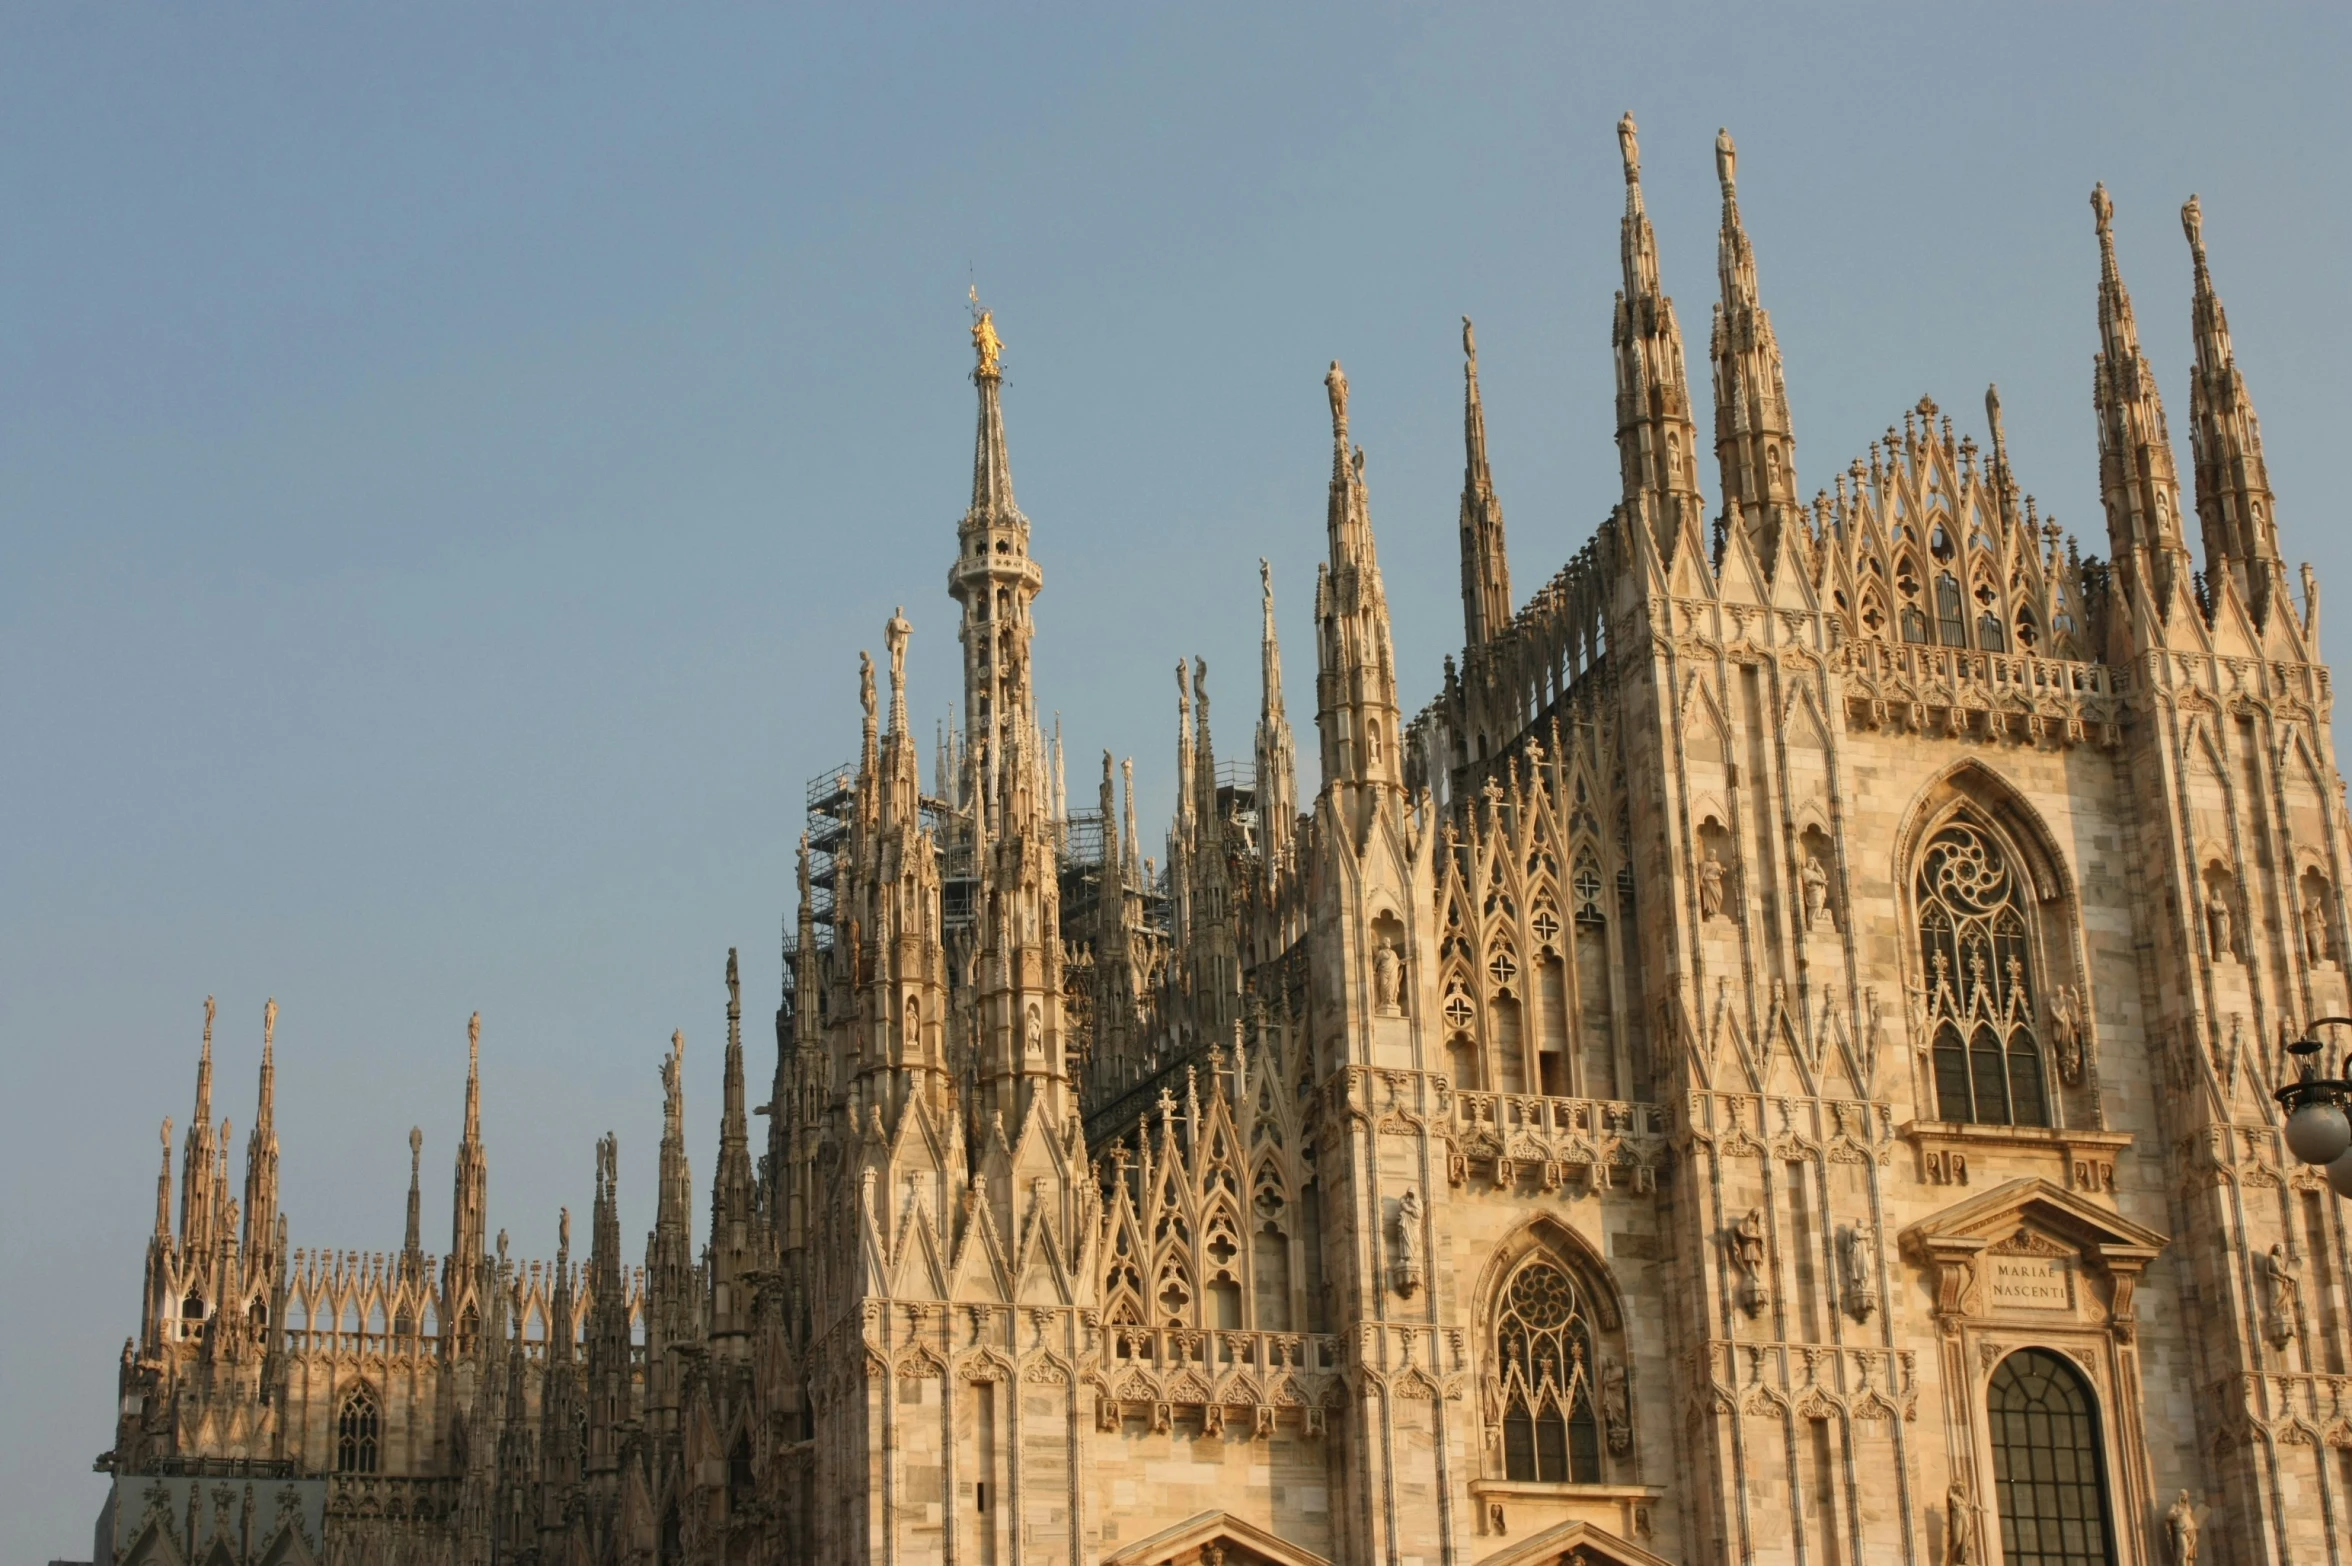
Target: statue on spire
{"type": "Point", "coordinates": [985, 342]}
{"type": "Point", "coordinates": [1726, 159]}
{"type": "Point", "coordinates": [1629, 149]}
{"type": "Point", "coordinates": [269, 1022]}
{"type": "Point", "coordinates": [894, 636]}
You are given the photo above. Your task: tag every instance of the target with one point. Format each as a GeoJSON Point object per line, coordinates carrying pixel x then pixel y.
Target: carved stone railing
{"type": "Point", "coordinates": [1257, 1378]}
{"type": "Point", "coordinates": [391, 1498]}
{"type": "Point", "coordinates": [1962, 690]}
{"type": "Point", "coordinates": [1599, 1143]}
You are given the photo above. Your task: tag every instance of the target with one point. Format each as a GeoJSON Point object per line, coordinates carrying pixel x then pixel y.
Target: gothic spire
{"type": "Point", "coordinates": [2234, 503]}
{"type": "Point", "coordinates": [261, 1146]}
{"type": "Point", "coordinates": [731, 1184]}
{"type": "Point", "coordinates": [163, 1186]}
{"type": "Point", "coordinates": [2137, 477]}
{"type": "Point", "coordinates": [1355, 684]}
{"type": "Point", "coordinates": [470, 1206]}
{"type": "Point", "coordinates": [1656, 437]}
{"type": "Point", "coordinates": [412, 1248]}
{"type": "Point", "coordinates": [1277, 752]}
{"type": "Point", "coordinates": [992, 469]}
{"type": "Point", "coordinates": [995, 581]}
{"type": "Point", "coordinates": [197, 1161]}
{"type": "Point", "coordinates": [1486, 570]}
{"type": "Point", "coordinates": [1754, 442]}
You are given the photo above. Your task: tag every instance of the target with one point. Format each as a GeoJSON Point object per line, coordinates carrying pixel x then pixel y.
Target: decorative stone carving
{"type": "Point", "coordinates": [1406, 1251]}
{"type": "Point", "coordinates": [2282, 1287]}
{"type": "Point", "coordinates": [2066, 1034]}
{"type": "Point", "coordinates": [1388, 979]}
{"type": "Point", "coordinates": [1815, 880]}
{"type": "Point", "coordinates": [1746, 1242]}
{"type": "Point", "coordinates": [1711, 886]}
{"type": "Point", "coordinates": [1857, 1255]}
{"type": "Point", "coordinates": [1959, 1526]}
{"type": "Point", "coordinates": [1616, 1407]}
{"type": "Point", "coordinates": [2218, 924]}
{"type": "Point", "coordinates": [2180, 1531]}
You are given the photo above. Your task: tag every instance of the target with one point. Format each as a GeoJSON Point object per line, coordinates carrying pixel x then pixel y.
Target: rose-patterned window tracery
{"type": "Point", "coordinates": [1976, 965]}
{"type": "Point", "coordinates": [1544, 1359]}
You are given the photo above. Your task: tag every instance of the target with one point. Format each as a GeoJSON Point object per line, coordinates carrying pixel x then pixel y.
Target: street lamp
{"type": "Point", "coordinates": [2318, 1130]}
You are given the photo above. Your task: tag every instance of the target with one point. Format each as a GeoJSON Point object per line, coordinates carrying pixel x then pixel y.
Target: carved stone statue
{"type": "Point", "coordinates": [2066, 1033]}
{"type": "Point", "coordinates": [269, 1022]}
{"type": "Point", "coordinates": [1959, 1526]}
{"type": "Point", "coordinates": [1857, 1246]}
{"type": "Point", "coordinates": [1748, 1254]}
{"type": "Point", "coordinates": [866, 686]}
{"type": "Point", "coordinates": [2315, 930]}
{"type": "Point", "coordinates": [2283, 1288]}
{"type": "Point", "coordinates": [1616, 1408]}
{"type": "Point", "coordinates": [1388, 978]}
{"type": "Point", "coordinates": [2217, 920]}
{"type": "Point", "coordinates": [2180, 1531]}
{"type": "Point", "coordinates": [1407, 1249]}
{"type": "Point", "coordinates": [1711, 887]}
{"type": "Point", "coordinates": [1816, 883]}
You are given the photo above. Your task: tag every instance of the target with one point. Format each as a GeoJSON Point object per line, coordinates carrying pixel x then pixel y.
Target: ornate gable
{"type": "Point", "coordinates": [1574, 1544]}
{"type": "Point", "coordinates": [2019, 1246]}
{"type": "Point", "coordinates": [1217, 1537]}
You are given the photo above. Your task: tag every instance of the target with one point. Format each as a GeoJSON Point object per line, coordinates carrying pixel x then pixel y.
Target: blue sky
{"type": "Point", "coordinates": [450, 458]}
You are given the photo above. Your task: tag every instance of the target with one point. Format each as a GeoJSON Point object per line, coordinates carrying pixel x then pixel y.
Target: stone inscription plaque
{"type": "Point", "coordinates": [2030, 1283]}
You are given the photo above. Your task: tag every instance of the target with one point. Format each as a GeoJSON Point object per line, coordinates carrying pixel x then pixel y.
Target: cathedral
{"type": "Point", "coordinates": [1773, 1064]}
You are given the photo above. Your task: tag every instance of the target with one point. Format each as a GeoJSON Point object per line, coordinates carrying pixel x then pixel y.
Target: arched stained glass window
{"type": "Point", "coordinates": [356, 1431]}
{"type": "Point", "coordinates": [1543, 1356]}
{"type": "Point", "coordinates": [2049, 1484]}
{"type": "Point", "coordinates": [1976, 963]}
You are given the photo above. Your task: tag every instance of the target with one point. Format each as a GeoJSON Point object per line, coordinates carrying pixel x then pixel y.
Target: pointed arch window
{"type": "Point", "coordinates": [2049, 1481]}
{"type": "Point", "coordinates": [1951, 613]}
{"type": "Point", "coordinates": [1976, 962]}
{"type": "Point", "coordinates": [357, 1424]}
{"type": "Point", "coordinates": [1543, 1357]}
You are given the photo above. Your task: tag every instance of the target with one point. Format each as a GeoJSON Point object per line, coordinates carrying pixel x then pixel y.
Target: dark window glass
{"type": "Point", "coordinates": [2049, 1483]}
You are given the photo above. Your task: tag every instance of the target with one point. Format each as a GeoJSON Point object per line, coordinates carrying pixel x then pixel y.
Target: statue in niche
{"type": "Point", "coordinates": [1748, 1254]}
{"type": "Point", "coordinates": [2217, 921]}
{"type": "Point", "coordinates": [2180, 1531]}
{"type": "Point", "coordinates": [1815, 878]}
{"type": "Point", "coordinates": [1857, 1247]}
{"type": "Point", "coordinates": [1034, 1045]}
{"type": "Point", "coordinates": [1407, 1251]}
{"type": "Point", "coordinates": [1388, 978]}
{"type": "Point", "coordinates": [2066, 1033]}
{"type": "Point", "coordinates": [2283, 1288]}
{"type": "Point", "coordinates": [2315, 933]}
{"type": "Point", "coordinates": [1711, 886]}
{"type": "Point", "coordinates": [1616, 1407]}
{"type": "Point", "coordinates": [1959, 1526]}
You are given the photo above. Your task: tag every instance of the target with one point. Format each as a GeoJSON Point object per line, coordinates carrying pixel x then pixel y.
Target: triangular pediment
{"type": "Point", "coordinates": [2029, 1212]}
{"type": "Point", "coordinates": [1242, 1544]}
{"type": "Point", "coordinates": [1574, 1544]}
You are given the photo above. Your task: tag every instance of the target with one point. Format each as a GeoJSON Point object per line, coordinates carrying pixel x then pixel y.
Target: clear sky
{"type": "Point", "coordinates": [451, 456]}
